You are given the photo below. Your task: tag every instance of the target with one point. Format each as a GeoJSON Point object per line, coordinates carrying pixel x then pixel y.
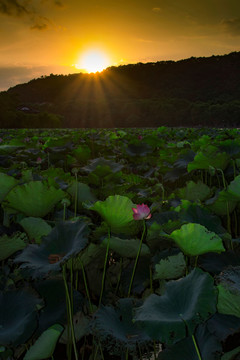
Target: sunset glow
{"type": "Point", "coordinates": [93, 61]}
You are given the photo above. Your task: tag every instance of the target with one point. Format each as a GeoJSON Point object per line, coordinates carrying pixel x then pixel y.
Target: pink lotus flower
{"type": "Point", "coordinates": [1, 140]}
{"type": "Point", "coordinates": [141, 212]}
{"type": "Point", "coordinates": [140, 137]}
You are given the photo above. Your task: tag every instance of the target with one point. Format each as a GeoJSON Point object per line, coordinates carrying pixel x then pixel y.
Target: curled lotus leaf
{"type": "Point", "coordinates": [35, 199]}
{"type": "Point", "coordinates": [11, 244]}
{"type": "Point", "coordinates": [211, 156]}
{"type": "Point", "coordinates": [126, 247]}
{"type": "Point", "coordinates": [184, 304]}
{"type": "Point", "coordinates": [195, 239]}
{"type": "Point", "coordinates": [116, 328]}
{"type": "Point", "coordinates": [35, 228]}
{"type": "Point", "coordinates": [18, 316]}
{"type": "Point", "coordinates": [65, 240]}
{"type": "Point", "coordinates": [6, 184]}
{"type": "Point", "coordinates": [117, 212]}
{"type": "Point", "coordinates": [45, 345]}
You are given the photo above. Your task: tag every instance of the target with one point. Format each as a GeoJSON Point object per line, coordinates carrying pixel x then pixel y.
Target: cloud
{"type": "Point", "coordinates": [232, 26]}
{"type": "Point", "coordinates": [39, 27]}
{"type": "Point", "coordinates": [13, 8]}
{"type": "Point", "coordinates": [24, 9]}
{"type": "Point", "coordinates": [156, 9]}
{"type": "Point", "coordinates": [58, 3]}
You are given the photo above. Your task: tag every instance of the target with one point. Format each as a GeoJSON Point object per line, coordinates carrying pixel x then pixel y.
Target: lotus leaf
{"type": "Point", "coordinates": [208, 345]}
{"type": "Point", "coordinates": [195, 239]}
{"type": "Point", "coordinates": [222, 203]}
{"type": "Point", "coordinates": [80, 325]}
{"type": "Point", "coordinates": [35, 228]}
{"type": "Point", "coordinates": [194, 191]}
{"type": "Point", "coordinates": [102, 167]}
{"type": "Point", "coordinates": [229, 291]}
{"type": "Point", "coordinates": [83, 193]}
{"type": "Point", "coordinates": [6, 184]}
{"type": "Point", "coordinates": [200, 215]}
{"type": "Point", "coordinates": [228, 301]}
{"type": "Point", "coordinates": [126, 247]}
{"type": "Point", "coordinates": [18, 316]}
{"type": "Point", "coordinates": [234, 188]}
{"type": "Point", "coordinates": [173, 267]}
{"type": "Point", "coordinates": [116, 329]}
{"type": "Point", "coordinates": [117, 212]}
{"type": "Point", "coordinates": [45, 345]}
{"type": "Point", "coordinates": [185, 302]}
{"type": "Point", "coordinates": [210, 157]}
{"type": "Point", "coordinates": [231, 355]}
{"type": "Point", "coordinates": [10, 245]}
{"type": "Point", "coordinates": [222, 325]}
{"type": "Point", "coordinates": [34, 199]}
{"type": "Point", "coordinates": [53, 292]}
{"type": "Point", "coordinates": [138, 149]}
{"type": "Point", "coordinates": [65, 240]}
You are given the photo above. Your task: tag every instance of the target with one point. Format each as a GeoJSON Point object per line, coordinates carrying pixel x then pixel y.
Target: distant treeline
{"type": "Point", "coordinates": [192, 92]}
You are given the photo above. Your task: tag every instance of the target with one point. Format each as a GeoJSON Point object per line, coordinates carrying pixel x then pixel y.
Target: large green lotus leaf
{"type": "Point", "coordinates": [126, 247]}
{"type": "Point", "coordinates": [195, 239]}
{"type": "Point", "coordinates": [209, 346]}
{"type": "Point", "coordinates": [83, 193]}
{"type": "Point", "coordinates": [228, 301]}
{"type": "Point", "coordinates": [35, 228]}
{"type": "Point", "coordinates": [194, 191]}
{"type": "Point", "coordinates": [116, 329]}
{"type": "Point", "coordinates": [117, 212]}
{"type": "Point", "coordinates": [187, 301]}
{"type": "Point", "coordinates": [34, 199]}
{"type": "Point", "coordinates": [222, 203]}
{"type": "Point", "coordinates": [210, 157]}
{"type": "Point", "coordinates": [44, 346]}
{"type": "Point", "coordinates": [18, 316]}
{"type": "Point", "coordinates": [6, 184]}
{"type": "Point", "coordinates": [229, 291]}
{"type": "Point", "coordinates": [173, 267]}
{"type": "Point", "coordinates": [11, 244]}
{"type": "Point", "coordinates": [65, 241]}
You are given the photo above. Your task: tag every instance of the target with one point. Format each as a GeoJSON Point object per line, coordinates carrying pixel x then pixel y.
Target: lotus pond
{"type": "Point", "coordinates": [120, 244]}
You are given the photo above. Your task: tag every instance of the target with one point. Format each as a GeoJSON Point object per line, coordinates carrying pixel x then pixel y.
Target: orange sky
{"type": "Point", "coordinates": [40, 37]}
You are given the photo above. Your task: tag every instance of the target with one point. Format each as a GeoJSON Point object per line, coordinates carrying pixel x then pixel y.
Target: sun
{"type": "Point", "coordinates": [93, 61]}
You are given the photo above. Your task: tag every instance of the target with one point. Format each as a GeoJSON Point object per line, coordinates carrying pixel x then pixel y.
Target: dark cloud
{"type": "Point", "coordinates": [232, 26]}
{"type": "Point", "coordinates": [13, 8]}
{"type": "Point", "coordinates": [39, 27]}
{"type": "Point", "coordinates": [58, 3]}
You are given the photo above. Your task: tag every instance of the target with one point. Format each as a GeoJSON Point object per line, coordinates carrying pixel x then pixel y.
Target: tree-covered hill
{"type": "Point", "coordinates": [191, 92]}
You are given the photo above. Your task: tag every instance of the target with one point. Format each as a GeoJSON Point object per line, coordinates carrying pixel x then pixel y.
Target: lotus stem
{"type": "Point", "coordinates": [196, 260]}
{"type": "Point", "coordinates": [104, 268]}
{"type": "Point", "coordinates": [151, 279]}
{"type": "Point", "coordinates": [86, 288]}
{"type": "Point", "coordinates": [76, 196]}
{"type": "Point", "coordinates": [223, 179]}
{"type": "Point", "coordinates": [196, 347]}
{"type": "Point", "coordinates": [69, 306]}
{"type": "Point", "coordinates": [136, 260]}
{"type": "Point", "coordinates": [119, 276]}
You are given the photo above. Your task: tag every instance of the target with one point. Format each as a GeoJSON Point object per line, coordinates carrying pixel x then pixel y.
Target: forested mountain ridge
{"type": "Point", "coordinates": [192, 92]}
